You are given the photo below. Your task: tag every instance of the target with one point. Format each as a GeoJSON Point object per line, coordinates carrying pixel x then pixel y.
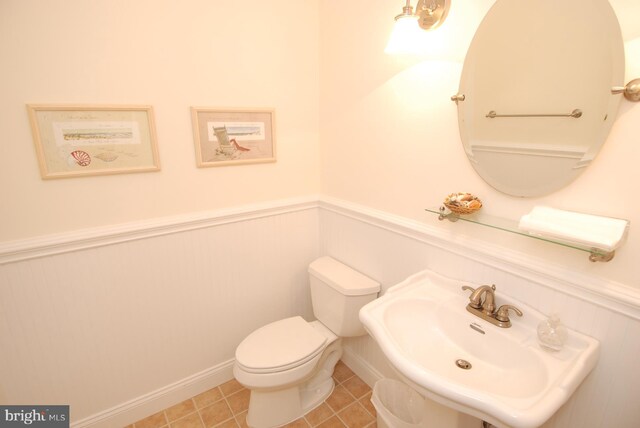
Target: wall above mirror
{"type": "Point", "coordinates": [535, 101]}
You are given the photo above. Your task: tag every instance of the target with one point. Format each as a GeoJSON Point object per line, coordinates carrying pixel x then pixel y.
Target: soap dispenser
{"type": "Point", "coordinates": [552, 334]}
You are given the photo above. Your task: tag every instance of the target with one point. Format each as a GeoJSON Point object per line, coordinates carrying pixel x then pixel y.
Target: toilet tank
{"type": "Point", "coordinates": [337, 294]}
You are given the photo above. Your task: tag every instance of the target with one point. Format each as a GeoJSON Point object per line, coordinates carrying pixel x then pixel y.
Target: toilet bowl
{"type": "Point", "coordinates": [288, 364]}
{"type": "Point", "coordinates": [294, 379]}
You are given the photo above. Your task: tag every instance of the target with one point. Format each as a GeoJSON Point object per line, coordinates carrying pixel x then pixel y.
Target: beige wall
{"type": "Point", "coordinates": [389, 134]}
{"type": "Point", "coordinates": [172, 55]}
{"type": "Point", "coordinates": [389, 141]}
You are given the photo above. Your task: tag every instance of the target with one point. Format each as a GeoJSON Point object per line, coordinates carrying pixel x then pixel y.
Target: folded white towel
{"type": "Point", "coordinates": [604, 233]}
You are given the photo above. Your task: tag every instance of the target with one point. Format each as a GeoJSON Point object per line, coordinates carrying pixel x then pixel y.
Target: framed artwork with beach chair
{"type": "Point", "coordinates": [233, 136]}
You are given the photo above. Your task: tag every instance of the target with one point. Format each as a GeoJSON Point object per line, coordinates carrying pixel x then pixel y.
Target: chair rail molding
{"type": "Point", "coordinates": [65, 242]}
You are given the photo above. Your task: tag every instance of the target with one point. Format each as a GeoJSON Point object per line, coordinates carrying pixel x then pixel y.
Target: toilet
{"type": "Point", "coordinates": [288, 364]}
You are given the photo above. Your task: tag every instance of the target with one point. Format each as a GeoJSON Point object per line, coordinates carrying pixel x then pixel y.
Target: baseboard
{"type": "Point", "coordinates": [155, 401]}
{"type": "Point", "coordinates": [361, 367]}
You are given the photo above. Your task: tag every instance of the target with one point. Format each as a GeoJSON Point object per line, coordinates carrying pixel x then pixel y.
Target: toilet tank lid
{"type": "Point", "coordinates": [342, 278]}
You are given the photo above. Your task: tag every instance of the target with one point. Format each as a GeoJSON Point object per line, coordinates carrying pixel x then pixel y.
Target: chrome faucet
{"type": "Point", "coordinates": [486, 309]}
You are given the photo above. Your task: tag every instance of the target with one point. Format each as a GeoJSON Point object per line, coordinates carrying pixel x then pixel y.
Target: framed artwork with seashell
{"type": "Point", "coordinates": [80, 140]}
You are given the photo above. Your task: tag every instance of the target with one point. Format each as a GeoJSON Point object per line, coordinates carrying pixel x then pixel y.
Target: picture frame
{"type": "Point", "coordinates": [89, 140]}
{"type": "Point", "coordinates": [233, 136]}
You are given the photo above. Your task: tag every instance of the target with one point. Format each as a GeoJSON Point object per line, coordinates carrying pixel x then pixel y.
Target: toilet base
{"type": "Point", "coordinates": [277, 408]}
{"type": "Point", "coordinates": [274, 408]}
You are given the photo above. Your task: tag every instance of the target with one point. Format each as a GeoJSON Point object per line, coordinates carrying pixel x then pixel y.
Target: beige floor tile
{"type": "Point", "coordinates": [242, 420]}
{"type": "Point", "coordinates": [230, 387]}
{"type": "Point", "coordinates": [333, 422]}
{"type": "Point", "coordinates": [339, 398]}
{"type": "Point", "coordinates": [319, 414]}
{"type": "Point", "coordinates": [231, 423]}
{"type": "Point", "coordinates": [225, 406]}
{"type": "Point", "coordinates": [367, 404]}
{"type": "Point", "coordinates": [217, 413]}
{"type": "Point", "coordinates": [190, 421]}
{"type": "Point", "coordinates": [298, 423]}
{"type": "Point", "coordinates": [180, 410]}
{"type": "Point", "coordinates": [356, 386]}
{"type": "Point", "coordinates": [355, 416]}
{"type": "Point", "coordinates": [342, 372]}
{"type": "Point", "coordinates": [207, 398]}
{"type": "Point", "coordinates": [156, 420]}
{"type": "Point", "coordinates": [239, 402]}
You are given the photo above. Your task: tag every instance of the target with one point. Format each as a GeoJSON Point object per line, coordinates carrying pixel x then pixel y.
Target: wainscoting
{"type": "Point", "coordinates": [390, 249]}
{"type": "Point", "coordinates": [124, 321]}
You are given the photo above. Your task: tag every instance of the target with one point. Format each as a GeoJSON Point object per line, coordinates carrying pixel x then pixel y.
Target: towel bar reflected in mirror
{"type": "Point", "coordinates": [577, 113]}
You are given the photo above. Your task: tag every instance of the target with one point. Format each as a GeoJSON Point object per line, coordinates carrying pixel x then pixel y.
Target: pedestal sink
{"type": "Point", "coordinates": [501, 375]}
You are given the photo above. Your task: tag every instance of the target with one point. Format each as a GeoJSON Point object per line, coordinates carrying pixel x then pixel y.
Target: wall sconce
{"type": "Point", "coordinates": [407, 34]}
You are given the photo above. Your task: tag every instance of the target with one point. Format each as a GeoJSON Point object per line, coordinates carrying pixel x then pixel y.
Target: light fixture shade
{"type": "Point", "coordinates": [405, 37]}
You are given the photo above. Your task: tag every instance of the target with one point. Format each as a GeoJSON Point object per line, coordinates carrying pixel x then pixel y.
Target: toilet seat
{"type": "Point", "coordinates": [280, 346]}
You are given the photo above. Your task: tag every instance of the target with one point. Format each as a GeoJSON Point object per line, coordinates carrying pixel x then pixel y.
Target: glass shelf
{"type": "Point", "coordinates": [511, 226]}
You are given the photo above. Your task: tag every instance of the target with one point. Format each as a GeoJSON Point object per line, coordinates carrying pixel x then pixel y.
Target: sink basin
{"type": "Point", "coordinates": [430, 339]}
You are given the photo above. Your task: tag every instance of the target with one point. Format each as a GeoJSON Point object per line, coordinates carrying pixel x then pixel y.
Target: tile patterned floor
{"type": "Point", "coordinates": [225, 406]}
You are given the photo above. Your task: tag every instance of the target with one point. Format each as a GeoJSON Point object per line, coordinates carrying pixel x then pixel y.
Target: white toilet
{"type": "Point", "coordinates": [288, 364]}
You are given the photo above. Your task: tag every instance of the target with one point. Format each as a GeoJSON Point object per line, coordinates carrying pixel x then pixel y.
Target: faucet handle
{"type": "Point", "coordinates": [466, 287]}
{"type": "Point", "coordinates": [474, 300]}
{"type": "Point", "coordinates": [503, 312]}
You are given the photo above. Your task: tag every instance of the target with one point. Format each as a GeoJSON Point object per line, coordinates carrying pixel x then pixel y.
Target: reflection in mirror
{"type": "Point", "coordinates": [537, 92]}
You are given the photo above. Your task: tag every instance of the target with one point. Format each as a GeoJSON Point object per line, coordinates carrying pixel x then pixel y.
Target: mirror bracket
{"type": "Point", "coordinates": [457, 97]}
{"type": "Point", "coordinates": [631, 91]}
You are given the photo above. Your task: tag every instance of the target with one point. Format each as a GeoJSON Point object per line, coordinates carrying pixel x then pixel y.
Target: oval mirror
{"type": "Point", "coordinates": [537, 85]}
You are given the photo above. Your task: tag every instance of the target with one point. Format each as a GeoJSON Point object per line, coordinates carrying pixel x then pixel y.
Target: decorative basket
{"type": "Point", "coordinates": [462, 203]}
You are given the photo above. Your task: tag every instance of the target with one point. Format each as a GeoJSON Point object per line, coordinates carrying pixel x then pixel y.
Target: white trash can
{"type": "Point", "coordinates": [397, 405]}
